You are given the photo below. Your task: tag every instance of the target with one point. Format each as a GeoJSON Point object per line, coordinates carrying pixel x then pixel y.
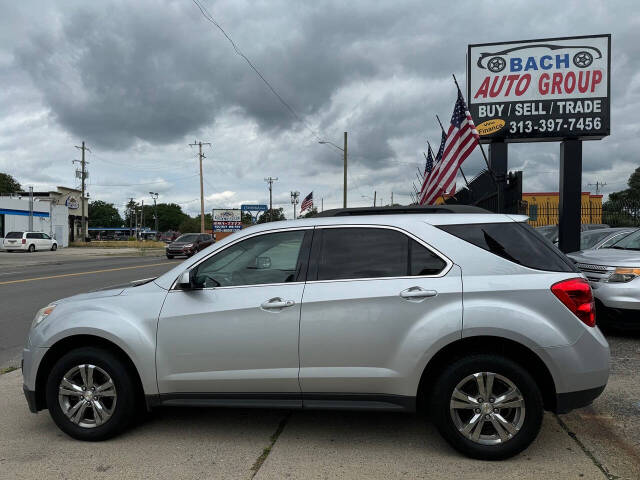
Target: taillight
{"type": "Point", "coordinates": [576, 295]}
{"type": "Point", "coordinates": [24, 240]}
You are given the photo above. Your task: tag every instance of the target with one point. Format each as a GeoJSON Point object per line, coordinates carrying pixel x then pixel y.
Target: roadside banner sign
{"type": "Point", "coordinates": [540, 90]}
{"type": "Point", "coordinates": [253, 208]}
{"type": "Point", "coordinates": [227, 220]}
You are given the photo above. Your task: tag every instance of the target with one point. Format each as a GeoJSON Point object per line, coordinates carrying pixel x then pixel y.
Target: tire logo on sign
{"type": "Point", "coordinates": [490, 126]}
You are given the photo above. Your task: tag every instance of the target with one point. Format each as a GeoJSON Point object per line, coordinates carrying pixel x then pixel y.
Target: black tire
{"type": "Point", "coordinates": [125, 406]}
{"type": "Point", "coordinates": [169, 256]}
{"type": "Point", "coordinates": [32, 248]}
{"type": "Point", "coordinates": [459, 370]}
{"type": "Point", "coordinates": [54, 247]}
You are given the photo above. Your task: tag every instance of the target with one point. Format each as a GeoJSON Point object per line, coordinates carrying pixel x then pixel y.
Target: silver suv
{"type": "Point", "coordinates": [470, 316]}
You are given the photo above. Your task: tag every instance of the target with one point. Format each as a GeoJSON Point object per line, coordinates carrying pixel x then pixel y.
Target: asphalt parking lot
{"type": "Point", "coordinates": [601, 441]}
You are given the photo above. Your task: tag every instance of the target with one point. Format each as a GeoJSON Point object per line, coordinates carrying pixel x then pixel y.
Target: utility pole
{"type": "Point", "coordinates": [31, 209]}
{"type": "Point", "coordinates": [83, 175]}
{"type": "Point", "coordinates": [344, 195]}
{"type": "Point", "coordinates": [322, 204]}
{"type": "Point", "coordinates": [142, 214]}
{"type": "Point", "coordinates": [392, 199]}
{"type": "Point", "coordinates": [131, 217]}
{"type": "Point", "coordinates": [270, 181]}
{"type": "Point", "coordinates": [201, 156]}
{"type": "Point", "coordinates": [597, 185]}
{"type": "Point", "coordinates": [154, 195]}
{"type": "Point", "coordinates": [294, 201]}
{"type": "Point", "coordinates": [374, 197]}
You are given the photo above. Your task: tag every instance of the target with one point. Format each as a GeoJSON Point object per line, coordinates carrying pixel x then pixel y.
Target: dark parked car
{"type": "Point", "coordinates": [188, 244]}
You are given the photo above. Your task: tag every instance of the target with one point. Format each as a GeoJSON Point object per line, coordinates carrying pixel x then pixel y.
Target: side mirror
{"type": "Point", "coordinates": [263, 262]}
{"type": "Point", "coordinates": [184, 282]}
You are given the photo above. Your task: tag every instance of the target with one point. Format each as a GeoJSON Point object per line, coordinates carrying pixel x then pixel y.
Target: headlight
{"type": "Point", "coordinates": [42, 314]}
{"type": "Point", "coordinates": [623, 275]}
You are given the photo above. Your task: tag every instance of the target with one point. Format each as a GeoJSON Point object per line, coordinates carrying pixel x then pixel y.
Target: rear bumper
{"type": "Point", "coordinates": [565, 402]}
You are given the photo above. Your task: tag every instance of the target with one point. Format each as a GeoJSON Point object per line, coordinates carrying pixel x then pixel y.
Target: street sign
{"type": "Point", "coordinates": [227, 220]}
{"type": "Point", "coordinates": [253, 208]}
{"type": "Point", "coordinates": [540, 90]}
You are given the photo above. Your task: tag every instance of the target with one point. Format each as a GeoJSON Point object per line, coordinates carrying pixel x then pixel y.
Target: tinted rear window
{"type": "Point", "coordinates": [350, 253]}
{"type": "Point", "coordinates": [516, 242]}
{"type": "Point", "coordinates": [14, 235]}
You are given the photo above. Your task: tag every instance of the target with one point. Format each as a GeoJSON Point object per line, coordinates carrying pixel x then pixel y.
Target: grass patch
{"type": "Point", "coordinates": [7, 370]}
{"type": "Point", "coordinates": [119, 244]}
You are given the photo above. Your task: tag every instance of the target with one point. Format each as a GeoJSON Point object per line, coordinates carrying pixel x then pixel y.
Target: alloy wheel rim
{"type": "Point", "coordinates": [487, 408]}
{"type": "Point", "coordinates": [87, 395]}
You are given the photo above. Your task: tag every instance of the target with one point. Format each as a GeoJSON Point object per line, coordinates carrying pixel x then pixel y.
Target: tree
{"type": "Point", "coordinates": [623, 208]}
{"type": "Point", "coordinates": [103, 214]}
{"type": "Point", "coordinates": [8, 184]}
{"type": "Point", "coordinates": [311, 213]}
{"type": "Point", "coordinates": [170, 216]}
{"type": "Point", "coordinates": [272, 215]}
{"type": "Point", "coordinates": [190, 225]}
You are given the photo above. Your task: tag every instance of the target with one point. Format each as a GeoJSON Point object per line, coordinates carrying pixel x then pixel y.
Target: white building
{"type": "Point", "coordinates": [48, 217]}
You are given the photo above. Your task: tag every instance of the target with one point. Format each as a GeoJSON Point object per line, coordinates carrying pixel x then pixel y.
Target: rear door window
{"type": "Point", "coordinates": [14, 235]}
{"type": "Point", "coordinates": [353, 253]}
{"type": "Point", "coordinates": [513, 241]}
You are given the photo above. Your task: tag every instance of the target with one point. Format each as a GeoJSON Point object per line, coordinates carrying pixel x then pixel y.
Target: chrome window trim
{"type": "Point", "coordinates": [246, 237]}
{"type": "Point", "coordinates": [448, 262]}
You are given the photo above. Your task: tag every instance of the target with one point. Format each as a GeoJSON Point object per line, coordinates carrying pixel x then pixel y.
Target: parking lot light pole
{"type": "Point", "coordinates": [344, 152]}
{"type": "Point", "coordinates": [154, 195]}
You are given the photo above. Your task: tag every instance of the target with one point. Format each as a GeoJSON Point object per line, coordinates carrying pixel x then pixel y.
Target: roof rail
{"type": "Point", "coordinates": [345, 212]}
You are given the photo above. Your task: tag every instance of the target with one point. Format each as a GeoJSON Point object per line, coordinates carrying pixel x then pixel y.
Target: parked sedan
{"type": "Point", "coordinates": [603, 237]}
{"type": "Point", "coordinates": [188, 244]}
{"type": "Point", "coordinates": [28, 241]}
{"type": "Point", "coordinates": [613, 273]}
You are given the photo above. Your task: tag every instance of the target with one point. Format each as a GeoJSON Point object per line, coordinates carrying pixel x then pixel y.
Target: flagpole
{"type": "Point", "coordinates": [463, 175]}
{"type": "Point", "coordinates": [484, 155]}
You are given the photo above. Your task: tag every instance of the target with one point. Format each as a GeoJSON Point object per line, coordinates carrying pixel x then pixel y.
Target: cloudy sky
{"type": "Point", "coordinates": [139, 81]}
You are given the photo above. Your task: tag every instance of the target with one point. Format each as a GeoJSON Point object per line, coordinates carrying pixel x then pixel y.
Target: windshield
{"type": "Point", "coordinates": [590, 238]}
{"type": "Point", "coordinates": [14, 235]}
{"type": "Point", "coordinates": [630, 242]}
{"type": "Point", "coordinates": [189, 237]}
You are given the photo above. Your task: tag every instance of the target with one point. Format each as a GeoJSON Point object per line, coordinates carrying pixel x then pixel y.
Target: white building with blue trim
{"type": "Point", "coordinates": [45, 216]}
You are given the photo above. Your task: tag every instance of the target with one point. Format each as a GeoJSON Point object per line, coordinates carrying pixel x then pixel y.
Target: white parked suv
{"type": "Point", "coordinates": [470, 316]}
{"type": "Point", "coordinates": [28, 241]}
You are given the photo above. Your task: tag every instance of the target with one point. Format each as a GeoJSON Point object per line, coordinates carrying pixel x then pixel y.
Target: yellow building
{"type": "Point", "coordinates": [543, 207]}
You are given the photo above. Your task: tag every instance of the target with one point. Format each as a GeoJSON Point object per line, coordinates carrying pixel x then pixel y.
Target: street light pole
{"type": "Point", "coordinates": [294, 201]}
{"type": "Point", "coordinates": [154, 195]}
{"type": "Point", "coordinates": [344, 153]}
{"type": "Point", "coordinates": [344, 195]}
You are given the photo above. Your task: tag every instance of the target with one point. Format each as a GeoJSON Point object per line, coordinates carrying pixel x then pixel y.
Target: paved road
{"type": "Point", "coordinates": [26, 289]}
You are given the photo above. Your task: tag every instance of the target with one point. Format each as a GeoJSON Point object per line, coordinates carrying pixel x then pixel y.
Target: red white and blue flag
{"type": "Point", "coordinates": [307, 202]}
{"type": "Point", "coordinates": [460, 141]}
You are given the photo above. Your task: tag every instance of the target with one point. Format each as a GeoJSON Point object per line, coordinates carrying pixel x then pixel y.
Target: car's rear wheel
{"type": "Point", "coordinates": [32, 248]}
{"type": "Point", "coordinates": [487, 406]}
{"type": "Point", "coordinates": [91, 394]}
{"type": "Point", "coordinates": [54, 247]}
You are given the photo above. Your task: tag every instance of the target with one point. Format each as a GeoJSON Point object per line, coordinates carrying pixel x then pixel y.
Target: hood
{"type": "Point", "coordinates": [608, 256]}
{"type": "Point", "coordinates": [91, 295]}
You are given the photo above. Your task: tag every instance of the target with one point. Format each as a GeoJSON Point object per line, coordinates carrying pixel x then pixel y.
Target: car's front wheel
{"type": "Point", "coordinates": [54, 247]}
{"type": "Point", "coordinates": [91, 394]}
{"type": "Point", "coordinates": [487, 406]}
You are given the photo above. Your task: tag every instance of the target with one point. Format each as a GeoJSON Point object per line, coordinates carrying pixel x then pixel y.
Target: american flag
{"type": "Point", "coordinates": [461, 139]}
{"type": "Point", "coordinates": [427, 178]}
{"type": "Point", "coordinates": [429, 165]}
{"type": "Point", "coordinates": [307, 202]}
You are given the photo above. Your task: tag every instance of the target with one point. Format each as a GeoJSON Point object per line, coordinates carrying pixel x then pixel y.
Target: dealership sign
{"type": "Point", "coordinates": [253, 208]}
{"type": "Point", "coordinates": [228, 220]}
{"type": "Point", "coordinates": [540, 90]}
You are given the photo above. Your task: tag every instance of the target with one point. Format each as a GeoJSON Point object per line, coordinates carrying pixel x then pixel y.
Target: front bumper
{"type": "Point", "coordinates": [182, 251]}
{"type": "Point", "coordinates": [624, 296]}
{"type": "Point", "coordinates": [617, 317]}
{"type": "Point", "coordinates": [31, 399]}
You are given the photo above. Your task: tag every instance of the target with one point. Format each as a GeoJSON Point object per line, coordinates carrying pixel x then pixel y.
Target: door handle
{"type": "Point", "coordinates": [417, 293]}
{"type": "Point", "coordinates": [276, 304]}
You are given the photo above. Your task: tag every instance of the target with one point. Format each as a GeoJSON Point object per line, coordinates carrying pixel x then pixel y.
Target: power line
{"type": "Point", "coordinates": [136, 184]}
{"type": "Point", "coordinates": [209, 17]}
